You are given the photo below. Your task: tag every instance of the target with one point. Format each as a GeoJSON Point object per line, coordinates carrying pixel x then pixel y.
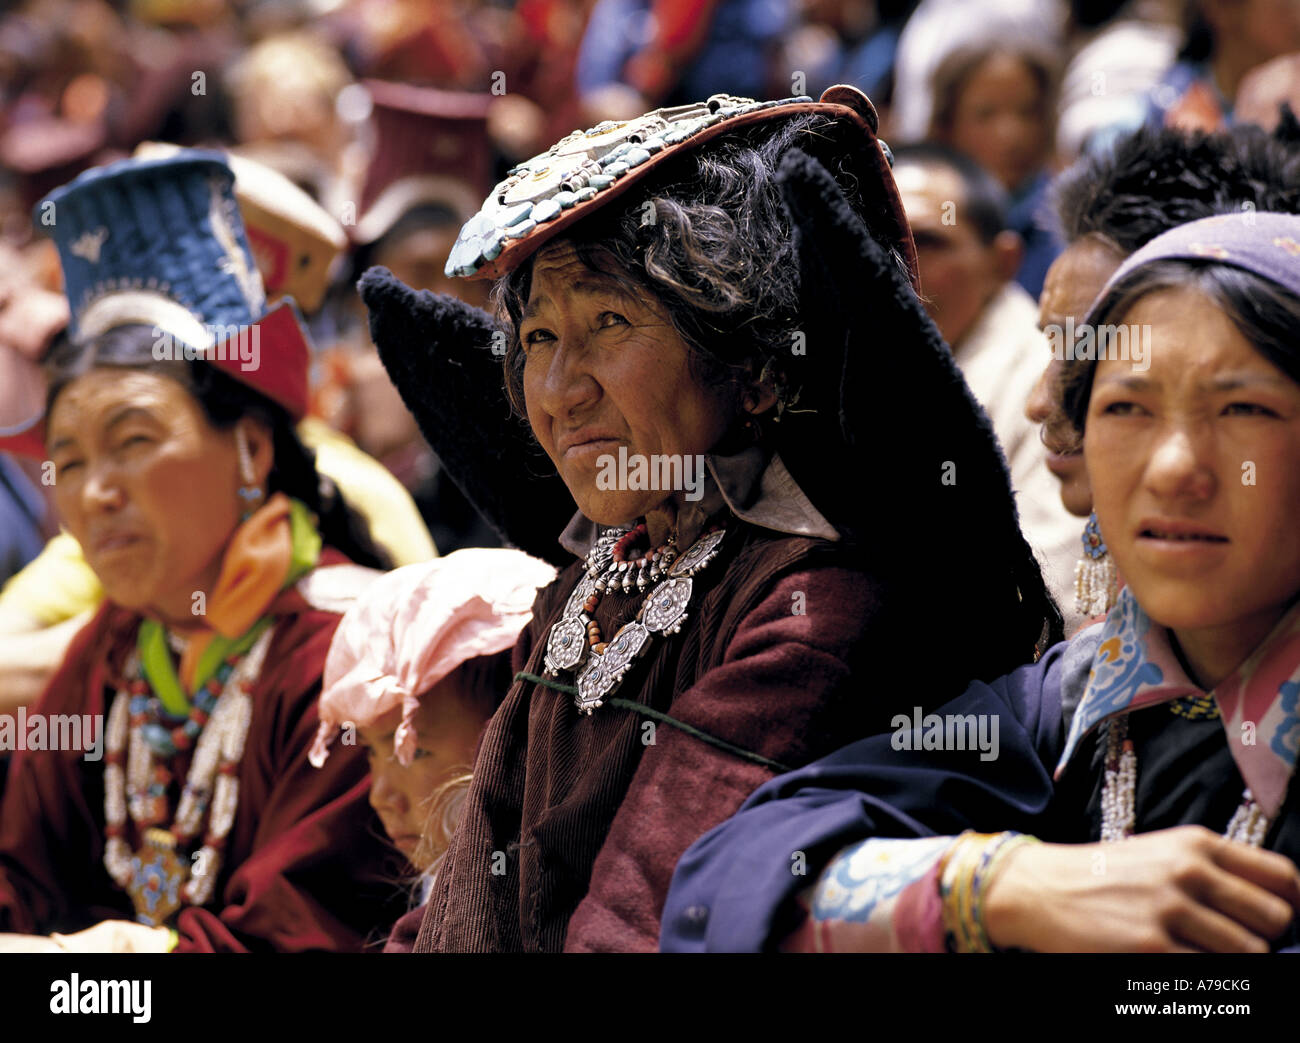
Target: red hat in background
{"type": "Point", "coordinates": [430, 146]}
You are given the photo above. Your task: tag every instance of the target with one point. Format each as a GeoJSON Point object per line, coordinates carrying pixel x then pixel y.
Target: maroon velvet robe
{"type": "Point", "coordinates": [306, 865]}
{"type": "Point", "coordinates": [573, 824]}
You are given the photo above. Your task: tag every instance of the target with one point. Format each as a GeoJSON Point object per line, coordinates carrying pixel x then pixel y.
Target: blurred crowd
{"type": "Point", "coordinates": [364, 133]}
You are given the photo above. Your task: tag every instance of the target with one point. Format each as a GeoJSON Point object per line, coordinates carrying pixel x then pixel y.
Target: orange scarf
{"type": "Point", "coordinates": [253, 570]}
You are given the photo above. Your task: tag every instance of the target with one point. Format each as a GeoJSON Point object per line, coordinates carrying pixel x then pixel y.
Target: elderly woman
{"type": "Point", "coordinates": [185, 800]}
{"type": "Point", "coordinates": [712, 356]}
{"type": "Point", "coordinates": [1155, 751]}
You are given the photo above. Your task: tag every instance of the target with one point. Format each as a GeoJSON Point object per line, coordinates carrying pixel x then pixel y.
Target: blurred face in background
{"type": "Point", "coordinates": [415, 250]}
{"type": "Point", "coordinates": [417, 256]}
{"type": "Point", "coordinates": [1073, 282]}
{"type": "Point", "coordinates": [999, 118]}
{"type": "Point", "coordinates": [960, 272]}
{"type": "Point", "coordinates": [1258, 30]}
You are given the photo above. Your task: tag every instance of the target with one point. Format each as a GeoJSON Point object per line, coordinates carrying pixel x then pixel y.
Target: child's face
{"type": "Point", "coordinates": [1195, 471]}
{"type": "Point", "coordinates": [447, 730]}
{"type": "Point", "coordinates": [1000, 120]}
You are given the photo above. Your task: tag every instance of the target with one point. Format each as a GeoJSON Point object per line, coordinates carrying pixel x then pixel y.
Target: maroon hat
{"type": "Point", "coordinates": [431, 146]}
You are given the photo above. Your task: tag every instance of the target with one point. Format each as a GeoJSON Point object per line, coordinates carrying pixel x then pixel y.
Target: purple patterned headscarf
{"type": "Point", "coordinates": [1265, 243]}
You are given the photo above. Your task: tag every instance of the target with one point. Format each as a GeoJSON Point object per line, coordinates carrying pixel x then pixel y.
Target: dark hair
{"type": "Point", "coordinates": [718, 255]}
{"type": "Point", "coordinates": [950, 78]}
{"type": "Point", "coordinates": [1267, 315]}
{"type": "Point", "coordinates": [224, 401]}
{"type": "Point", "coordinates": [1199, 40]}
{"type": "Point", "coordinates": [984, 200]}
{"type": "Point", "coordinates": [417, 219]}
{"type": "Point", "coordinates": [1092, 14]}
{"type": "Point", "coordinates": [1158, 178]}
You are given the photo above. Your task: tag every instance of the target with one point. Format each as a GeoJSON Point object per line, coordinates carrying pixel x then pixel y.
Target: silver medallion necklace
{"type": "Point", "coordinates": [576, 637]}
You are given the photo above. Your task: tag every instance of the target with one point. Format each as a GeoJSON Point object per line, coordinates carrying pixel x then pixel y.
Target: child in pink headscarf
{"type": "Point", "coordinates": [416, 668]}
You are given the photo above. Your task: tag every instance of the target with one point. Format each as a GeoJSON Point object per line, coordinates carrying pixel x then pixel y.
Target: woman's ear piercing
{"type": "Point", "coordinates": [250, 492]}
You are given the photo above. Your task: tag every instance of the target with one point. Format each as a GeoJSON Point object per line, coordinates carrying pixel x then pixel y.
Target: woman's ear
{"type": "Point", "coordinates": [256, 436]}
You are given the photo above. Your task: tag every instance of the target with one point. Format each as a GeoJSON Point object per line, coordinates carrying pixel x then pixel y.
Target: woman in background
{"type": "Point", "coordinates": [995, 102]}
{"type": "Point", "coordinates": [187, 804]}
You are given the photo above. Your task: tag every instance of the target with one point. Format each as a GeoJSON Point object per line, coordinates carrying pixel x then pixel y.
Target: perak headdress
{"type": "Point", "coordinates": [585, 170]}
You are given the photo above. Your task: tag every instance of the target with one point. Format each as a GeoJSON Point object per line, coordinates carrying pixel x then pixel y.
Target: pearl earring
{"type": "Point", "coordinates": [1096, 581]}
{"type": "Point", "coordinates": [250, 492]}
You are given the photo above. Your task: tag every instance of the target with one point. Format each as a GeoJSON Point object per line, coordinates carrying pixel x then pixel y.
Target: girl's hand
{"type": "Point", "coordinates": [1176, 890]}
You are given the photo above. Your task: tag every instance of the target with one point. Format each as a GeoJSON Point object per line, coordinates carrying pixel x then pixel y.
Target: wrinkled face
{"type": "Point", "coordinates": [1073, 282]}
{"type": "Point", "coordinates": [1000, 120]}
{"type": "Point", "coordinates": [1195, 470]}
{"type": "Point", "coordinates": [958, 272]}
{"type": "Point", "coordinates": [146, 484]}
{"type": "Point", "coordinates": [447, 730]}
{"type": "Point", "coordinates": [604, 372]}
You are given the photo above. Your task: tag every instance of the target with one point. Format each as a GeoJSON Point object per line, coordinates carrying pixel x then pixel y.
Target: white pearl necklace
{"type": "Point", "coordinates": [1249, 824]}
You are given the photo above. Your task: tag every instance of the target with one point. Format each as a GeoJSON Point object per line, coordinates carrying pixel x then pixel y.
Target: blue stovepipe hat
{"type": "Point", "coordinates": [158, 242]}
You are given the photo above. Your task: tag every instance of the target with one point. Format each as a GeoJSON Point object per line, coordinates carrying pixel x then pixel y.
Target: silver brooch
{"type": "Point", "coordinates": [663, 612]}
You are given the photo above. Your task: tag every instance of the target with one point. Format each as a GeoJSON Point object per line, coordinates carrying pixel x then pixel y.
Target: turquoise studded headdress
{"type": "Point", "coordinates": [587, 169]}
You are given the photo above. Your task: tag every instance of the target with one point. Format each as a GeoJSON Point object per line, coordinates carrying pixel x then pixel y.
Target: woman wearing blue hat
{"type": "Point", "coordinates": [1144, 772]}
{"type": "Point", "coordinates": [184, 801]}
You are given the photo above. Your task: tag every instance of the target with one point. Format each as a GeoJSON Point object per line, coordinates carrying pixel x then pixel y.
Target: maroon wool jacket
{"type": "Point", "coordinates": [573, 824]}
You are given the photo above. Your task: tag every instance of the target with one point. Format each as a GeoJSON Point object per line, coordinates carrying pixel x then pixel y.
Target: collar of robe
{"type": "Point", "coordinates": [1135, 667]}
{"type": "Point", "coordinates": [753, 484]}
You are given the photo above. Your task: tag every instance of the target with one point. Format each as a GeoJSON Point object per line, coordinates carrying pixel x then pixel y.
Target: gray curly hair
{"type": "Point", "coordinates": [718, 258]}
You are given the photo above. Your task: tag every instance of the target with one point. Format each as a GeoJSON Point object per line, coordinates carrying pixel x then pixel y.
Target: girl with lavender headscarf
{"type": "Point", "coordinates": [1153, 755]}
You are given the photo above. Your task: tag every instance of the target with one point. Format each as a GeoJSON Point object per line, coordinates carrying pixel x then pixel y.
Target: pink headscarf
{"type": "Point", "coordinates": [414, 626]}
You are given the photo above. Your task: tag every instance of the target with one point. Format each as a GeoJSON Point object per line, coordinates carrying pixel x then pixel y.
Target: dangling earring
{"type": "Point", "coordinates": [250, 492]}
{"type": "Point", "coordinates": [1096, 581]}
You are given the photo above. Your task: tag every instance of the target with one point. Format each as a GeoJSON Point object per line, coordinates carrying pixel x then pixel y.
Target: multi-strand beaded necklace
{"type": "Point", "coordinates": [137, 778]}
{"type": "Point", "coordinates": [1249, 824]}
{"type": "Point", "coordinates": [610, 563]}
